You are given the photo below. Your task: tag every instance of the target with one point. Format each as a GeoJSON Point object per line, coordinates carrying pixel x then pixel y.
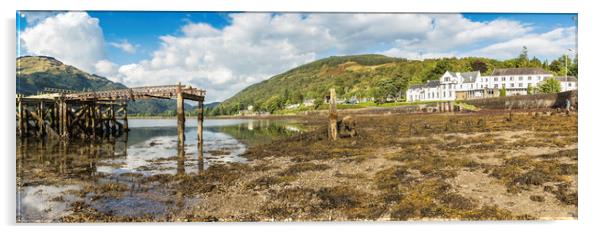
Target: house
{"type": "Point", "coordinates": [567, 83]}
{"type": "Point", "coordinates": [518, 80]}
{"type": "Point", "coordinates": [471, 85]}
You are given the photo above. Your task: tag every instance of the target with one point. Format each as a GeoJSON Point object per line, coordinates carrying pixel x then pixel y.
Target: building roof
{"type": "Point", "coordinates": [519, 71]}
{"type": "Point", "coordinates": [432, 83]}
{"type": "Point", "coordinates": [428, 84]}
{"type": "Point", "coordinates": [566, 78]}
{"type": "Point", "coordinates": [469, 77]}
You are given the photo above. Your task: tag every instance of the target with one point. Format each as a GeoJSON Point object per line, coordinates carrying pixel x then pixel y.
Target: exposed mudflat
{"type": "Point", "coordinates": [474, 166]}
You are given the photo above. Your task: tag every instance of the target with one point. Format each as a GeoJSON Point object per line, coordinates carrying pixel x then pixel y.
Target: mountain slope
{"type": "Point", "coordinates": [35, 73]}
{"type": "Point", "coordinates": [370, 76]}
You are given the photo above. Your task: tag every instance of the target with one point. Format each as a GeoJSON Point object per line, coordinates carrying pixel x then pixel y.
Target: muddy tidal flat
{"type": "Point", "coordinates": [440, 166]}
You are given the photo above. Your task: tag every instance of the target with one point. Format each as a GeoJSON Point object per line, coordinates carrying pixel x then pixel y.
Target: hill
{"type": "Point", "coordinates": [363, 76]}
{"type": "Point", "coordinates": [35, 73]}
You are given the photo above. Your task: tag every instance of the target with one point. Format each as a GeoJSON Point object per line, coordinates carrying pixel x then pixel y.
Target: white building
{"type": "Point", "coordinates": [471, 85]}
{"type": "Point", "coordinates": [567, 83]}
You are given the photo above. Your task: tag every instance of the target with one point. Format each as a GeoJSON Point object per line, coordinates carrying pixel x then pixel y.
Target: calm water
{"type": "Point", "coordinates": [50, 174]}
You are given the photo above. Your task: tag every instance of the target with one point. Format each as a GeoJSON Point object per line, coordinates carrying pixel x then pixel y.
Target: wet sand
{"type": "Point", "coordinates": [473, 166]}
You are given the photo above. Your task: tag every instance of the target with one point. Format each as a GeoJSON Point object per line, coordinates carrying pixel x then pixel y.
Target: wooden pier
{"type": "Point", "coordinates": [101, 114]}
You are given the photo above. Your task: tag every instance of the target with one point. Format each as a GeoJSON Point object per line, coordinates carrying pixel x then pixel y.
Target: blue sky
{"type": "Point", "coordinates": [227, 51]}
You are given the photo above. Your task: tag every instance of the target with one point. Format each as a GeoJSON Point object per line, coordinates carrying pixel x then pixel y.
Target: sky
{"type": "Point", "coordinates": [224, 52]}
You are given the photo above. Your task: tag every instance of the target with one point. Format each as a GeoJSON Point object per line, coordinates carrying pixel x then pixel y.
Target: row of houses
{"type": "Point", "coordinates": [471, 85]}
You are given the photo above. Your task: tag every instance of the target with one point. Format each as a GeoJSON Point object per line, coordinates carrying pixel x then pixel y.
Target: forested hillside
{"type": "Point", "coordinates": [360, 76]}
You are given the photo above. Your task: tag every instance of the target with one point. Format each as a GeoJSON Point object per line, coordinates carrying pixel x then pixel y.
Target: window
{"type": "Point", "coordinates": [495, 86]}
{"type": "Point", "coordinates": [529, 78]}
{"type": "Point", "coordinates": [450, 94]}
{"type": "Point", "coordinates": [520, 84]}
{"type": "Point", "coordinates": [520, 78]}
{"type": "Point", "coordinates": [495, 79]}
{"type": "Point", "coordinates": [570, 84]}
{"type": "Point", "coordinates": [503, 78]}
{"type": "Point", "coordinates": [510, 78]}
{"type": "Point", "coordinates": [471, 86]}
{"type": "Point", "coordinates": [512, 85]}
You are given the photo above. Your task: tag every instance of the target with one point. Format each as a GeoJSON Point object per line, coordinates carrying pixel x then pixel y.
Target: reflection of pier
{"type": "Point", "coordinates": [89, 115]}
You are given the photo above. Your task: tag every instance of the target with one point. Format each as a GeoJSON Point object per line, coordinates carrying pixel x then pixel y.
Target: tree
{"type": "Point", "coordinates": [545, 65]}
{"type": "Point", "coordinates": [274, 103]}
{"type": "Point", "coordinates": [503, 91]}
{"type": "Point", "coordinates": [523, 58]}
{"type": "Point", "coordinates": [529, 89]}
{"type": "Point", "coordinates": [573, 69]}
{"type": "Point", "coordinates": [535, 62]}
{"type": "Point", "coordinates": [550, 85]}
{"type": "Point", "coordinates": [479, 65]}
{"type": "Point", "coordinates": [441, 67]}
{"type": "Point", "coordinates": [385, 88]}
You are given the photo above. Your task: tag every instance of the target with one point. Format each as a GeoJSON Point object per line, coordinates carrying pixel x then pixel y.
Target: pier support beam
{"type": "Point", "coordinates": [126, 127]}
{"type": "Point", "coordinates": [332, 117]}
{"type": "Point", "coordinates": [21, 116]}
{"type": "Point", "coordinates": [199, 129]}
{"type": "Point", "coordinates": [180, 115]}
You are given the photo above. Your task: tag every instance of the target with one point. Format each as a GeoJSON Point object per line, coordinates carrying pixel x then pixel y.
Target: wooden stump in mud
{"type": "Point", "coordinates": [332, 117]}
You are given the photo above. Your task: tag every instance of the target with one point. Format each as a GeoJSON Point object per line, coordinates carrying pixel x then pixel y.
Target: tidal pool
{"type": "Point", "coordinates": [53, 176]}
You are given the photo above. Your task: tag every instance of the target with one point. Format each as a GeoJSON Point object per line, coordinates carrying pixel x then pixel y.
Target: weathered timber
{"type": "Point", "coordinates": [90, 115]}
{"type": "Point", "coordinates": [332, 117]}
{"type": "Point", "coordinates": [180, 115]}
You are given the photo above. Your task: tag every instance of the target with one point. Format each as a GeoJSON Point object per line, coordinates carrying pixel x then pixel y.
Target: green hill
{"type": "Point", "coordinates": [361, 76]}
{"type": "Point", "coordinates": [35, 73]}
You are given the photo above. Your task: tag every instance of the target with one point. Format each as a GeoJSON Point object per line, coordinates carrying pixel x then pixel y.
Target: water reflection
{"type": "Point", "coordinates": [51, 175]}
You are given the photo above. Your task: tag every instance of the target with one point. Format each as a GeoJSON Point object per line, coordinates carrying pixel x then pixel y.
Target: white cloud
{"type": "Point", "coordinates": [73, 37]}
{"type": "Point", "coordinates": [125, 46]}
{"type": "Point", "coordinates": [256, 46]}
{"type": "Point", "coordinates": [107, 68]}
{"type": "Point", "coordinates": [551, 44]}
{"type": "Point", "coordinates": [34, 17]}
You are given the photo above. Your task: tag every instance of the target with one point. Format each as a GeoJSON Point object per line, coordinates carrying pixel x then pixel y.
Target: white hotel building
{"type": "Point", "coordinates": [471, 85]}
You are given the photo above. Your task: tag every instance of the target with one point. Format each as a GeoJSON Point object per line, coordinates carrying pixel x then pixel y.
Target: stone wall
{"type": "Point", "coordinates": [535, 101]}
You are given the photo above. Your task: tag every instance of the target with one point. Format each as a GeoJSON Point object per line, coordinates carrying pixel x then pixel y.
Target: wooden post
{"type": "Point", "coordinates": [199, 129]}
{"type": "Point", "coordinates": [180, 115]}
{"type": "Point", "coordinates": [93, 119]}
{"type": "Point", "coordinates": [332, 118]}
{"type": "Point", "coordinates": [126, 127]}
{"type": "Point", "coordinates": [113, 119]}
{"type": "Point", "coordinates": [21, 113]}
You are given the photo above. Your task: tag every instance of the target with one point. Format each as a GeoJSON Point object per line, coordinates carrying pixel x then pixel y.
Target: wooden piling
{"type": "Point", "coordinates": [21, 115]}
{"type": "Point", "coordinates": [126, 126]}
{"type": "Point", "coordinates": [180, 115]}
{"type": "Point", "coordinates": [332, 117]}
{"type": "Point", "coordinates": [199, 129]}
{"type": "Point", "coordinates": [88, 115]}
